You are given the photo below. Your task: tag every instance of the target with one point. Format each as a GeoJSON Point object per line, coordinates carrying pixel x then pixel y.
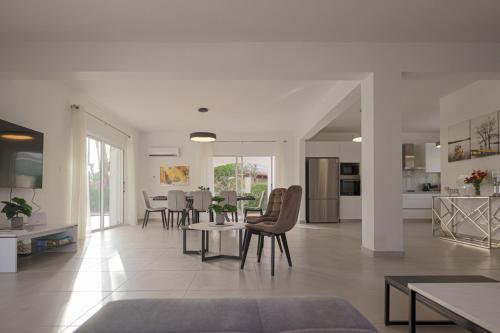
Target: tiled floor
{"type": "Point", "coordinates": [58, 292]}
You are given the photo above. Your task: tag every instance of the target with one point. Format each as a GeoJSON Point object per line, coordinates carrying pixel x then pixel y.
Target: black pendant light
{"type": "Point", "coordinates": [202, 136]}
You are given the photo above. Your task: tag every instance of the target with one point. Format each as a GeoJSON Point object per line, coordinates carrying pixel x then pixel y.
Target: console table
{"type": "Point", "coordinates": [9, 239]}
{"type": "Point", "coordinates": [467, 220]}
{"type": "Point", "coordinates": [473, 306]}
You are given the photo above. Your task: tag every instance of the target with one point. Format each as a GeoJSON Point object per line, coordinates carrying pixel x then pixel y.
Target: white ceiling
{"type": "Point", "coordinates": [250, 20]}
{"type": "Point", "coordinates": [235, 105]}
{"type": "Point", "coordinates": [420, 107]}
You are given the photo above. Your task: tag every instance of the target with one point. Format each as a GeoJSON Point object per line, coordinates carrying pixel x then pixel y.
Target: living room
{"type": "Point", "coordinates": [117, 104]}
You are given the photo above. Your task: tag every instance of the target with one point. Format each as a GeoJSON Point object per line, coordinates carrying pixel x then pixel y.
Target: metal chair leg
{"type": "Point", "coordinates": [248, 237]}
{"type": "Point", "coordinates": [261, 247]}
{"type": "Point", "coordinates": [144, 221]}
{"type": "Point", "coordinates": [279, 244]}
{"type": "Point", "coordinates": [272, 254]}
{"type": "Point", "coordinates": [287, 251]}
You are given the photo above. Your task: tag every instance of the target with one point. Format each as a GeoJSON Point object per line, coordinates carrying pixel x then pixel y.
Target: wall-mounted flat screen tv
{"type": "Point", "coordinates": [21, 156]}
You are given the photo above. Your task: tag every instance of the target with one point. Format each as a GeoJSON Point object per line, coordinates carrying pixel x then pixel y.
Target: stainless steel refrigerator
{"type": "Point", "coordinates": [322, 189]}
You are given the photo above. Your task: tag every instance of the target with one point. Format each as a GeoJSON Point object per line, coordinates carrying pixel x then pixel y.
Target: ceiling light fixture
{"type": "Point", "coordinates": [357, 139]}
{"type": "Point", "coordinates": [18, 136]}
{"type": "Point", "coordinates": [203, 110]}
{"type": "Point", "coordinates": [202, 137]}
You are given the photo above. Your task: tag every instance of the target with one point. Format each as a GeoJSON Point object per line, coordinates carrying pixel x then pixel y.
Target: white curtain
{"type": "Point", "coordinates": [206, 165]}
{"type": "Point", "coordinates": [130, 190]}
{"type": "Point", "coordinates": [280, 167]}
{"type": "Point", "coordinates": [79, 182]}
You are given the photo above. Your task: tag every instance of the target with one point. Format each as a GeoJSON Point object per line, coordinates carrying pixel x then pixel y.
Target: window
{"type": "Point", "coordinates": [245, 175]}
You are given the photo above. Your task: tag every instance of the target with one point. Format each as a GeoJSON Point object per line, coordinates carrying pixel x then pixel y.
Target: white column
{"type": "Point", "coordinates": [381, 165]}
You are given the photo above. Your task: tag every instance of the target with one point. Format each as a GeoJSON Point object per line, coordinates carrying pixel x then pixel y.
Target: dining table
{"type": "Point", "coordinates": [189, 197]}
{"type": "Point", "coordinates": [189, 202]}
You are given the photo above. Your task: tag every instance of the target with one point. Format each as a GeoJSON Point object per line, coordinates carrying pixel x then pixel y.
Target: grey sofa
{"type": "Point", "coordinates": [291, 314]}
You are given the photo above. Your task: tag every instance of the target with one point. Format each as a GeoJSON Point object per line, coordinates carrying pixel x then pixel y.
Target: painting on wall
{"type": "Point", "coordinates": [174, 175]}
{"type": "Point", "coordinates": [459, 142]}
{"type": "Point", "coordinates": [484, 135]}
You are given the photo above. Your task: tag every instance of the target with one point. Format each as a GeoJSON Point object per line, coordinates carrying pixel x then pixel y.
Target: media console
{"type": "Point", "coordinates": [10, 238]}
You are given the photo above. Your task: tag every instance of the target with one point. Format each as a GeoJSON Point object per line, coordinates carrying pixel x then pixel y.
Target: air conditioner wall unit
{"type": "Point", "coordinates": [163, 151]}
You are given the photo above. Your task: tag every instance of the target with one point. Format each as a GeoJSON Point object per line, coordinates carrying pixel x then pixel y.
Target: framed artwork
{"type": "Point", "coordinates": [459, 142]}
{"type": "Point", "coordinates": [174, 175]}
{"type": "Point", "coordinates": [484, 135]}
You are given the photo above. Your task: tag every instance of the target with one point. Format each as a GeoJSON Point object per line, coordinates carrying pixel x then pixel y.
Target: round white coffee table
{"type": "Point", "coordinates": [205, 227]}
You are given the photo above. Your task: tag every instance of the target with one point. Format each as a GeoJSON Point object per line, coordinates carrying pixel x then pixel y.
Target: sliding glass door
{"type": "Point", "coordinates": [245, 175]}
{"type": "Point", "coordinates": [105, 177]}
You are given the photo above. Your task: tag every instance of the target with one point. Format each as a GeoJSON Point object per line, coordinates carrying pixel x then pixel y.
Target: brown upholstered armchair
{"type": "Point", "coordinates": [271, 215]}
{"type": "Point", "coordinates": [273, 208]}
{"type": "Point", "coordinates": [287, 219]}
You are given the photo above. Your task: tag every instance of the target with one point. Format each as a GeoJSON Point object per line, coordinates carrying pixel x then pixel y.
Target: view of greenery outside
{"type": "Point", "coordinates": [237, 176]}
{"type": "Point", "coordinates": [94, 175]}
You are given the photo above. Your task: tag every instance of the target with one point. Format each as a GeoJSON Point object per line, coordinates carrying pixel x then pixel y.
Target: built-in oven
{"type": "Point", "coordinates": [349, 169]}
{"type": "Point", "coordinates": [350, 187]}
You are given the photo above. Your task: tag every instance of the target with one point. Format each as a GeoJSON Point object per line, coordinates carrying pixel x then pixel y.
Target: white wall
{"type": "Point", "coordinates": [476, 99]}
{"type": "Point", "coordinates": [189, 155]}
{"type": "Point", "coordinates": [45, 106]}
{"type": "Point", "coordinates": [346, 151]}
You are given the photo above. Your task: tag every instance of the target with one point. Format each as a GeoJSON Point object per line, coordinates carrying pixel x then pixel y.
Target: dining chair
{"type": "Point", "coordinates": [271, 215]}
{"type": "Point", "coordinates": [201, 202]}
{"type": "Point", "coordinates": [287, 219]}
{"type": "Point", "coordinates": [177, 204]}
{"type": "Point", "coordinates": [149, 209]}
{"type": "Point", "coordinates": [257, 208]}
{"type": "Point", "coordinates": [230, 198]}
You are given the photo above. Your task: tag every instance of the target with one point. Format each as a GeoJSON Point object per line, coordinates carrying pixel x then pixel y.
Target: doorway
{"type": "Point", "coordinates": [105, 183]}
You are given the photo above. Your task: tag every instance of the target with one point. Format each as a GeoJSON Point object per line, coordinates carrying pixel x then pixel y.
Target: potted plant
{"type": "Point", "coordinates": [220, 210]}
{"type": "Point", "coordinates": [13, 208]}
{"type": "Point", "coordinates": [476, 178]}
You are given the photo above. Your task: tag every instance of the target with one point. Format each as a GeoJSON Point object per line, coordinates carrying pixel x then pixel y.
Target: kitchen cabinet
{"type": "Point", "coordinates": [418, 205]}
{"type": "Point", "coordinates": [432, 158]}
{"type": "Point", "coordinates": [350, 208]}
{"type": "Point", "coordinates": [422, 156]}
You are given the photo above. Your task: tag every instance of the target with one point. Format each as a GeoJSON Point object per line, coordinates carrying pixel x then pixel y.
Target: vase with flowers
{"type": "Point", "coordinates": [476, 178]}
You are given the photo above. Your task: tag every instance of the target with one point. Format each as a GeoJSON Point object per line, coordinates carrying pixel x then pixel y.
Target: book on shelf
{"type": "Point", "coordinates": [56, 240]}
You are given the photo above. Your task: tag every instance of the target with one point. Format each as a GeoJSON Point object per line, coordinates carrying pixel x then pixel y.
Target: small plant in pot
{"type": "Point", "coordinates": [220, 210]}
{"type": "Point", "coordinates": [15, 207]}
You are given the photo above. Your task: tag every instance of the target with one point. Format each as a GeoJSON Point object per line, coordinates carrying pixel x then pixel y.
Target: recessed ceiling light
{"type": "Point", "coordinates": [203, 110]}
{"type": "Point", "coordinates": [202, 137]}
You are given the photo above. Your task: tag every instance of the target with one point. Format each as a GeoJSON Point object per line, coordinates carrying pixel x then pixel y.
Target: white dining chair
{"type": "Point", "coordinates": [230, 198]}
{"type": "Point", "coordinates": [176, 203]}
{"type": "Point", "coordinates": [201, 202]}
{"type": "Point", "coordinates": [150, 209]}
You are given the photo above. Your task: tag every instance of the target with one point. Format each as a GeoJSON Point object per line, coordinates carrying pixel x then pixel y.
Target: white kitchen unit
{"type": "Point", "coordinates": [432, 158]}
{"type": "Point", "coordinates": [350, 208]}
{"type": "Point", "coordinates": [421, 156]}
{"type": "Point", "coordinates": [418, 205]}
